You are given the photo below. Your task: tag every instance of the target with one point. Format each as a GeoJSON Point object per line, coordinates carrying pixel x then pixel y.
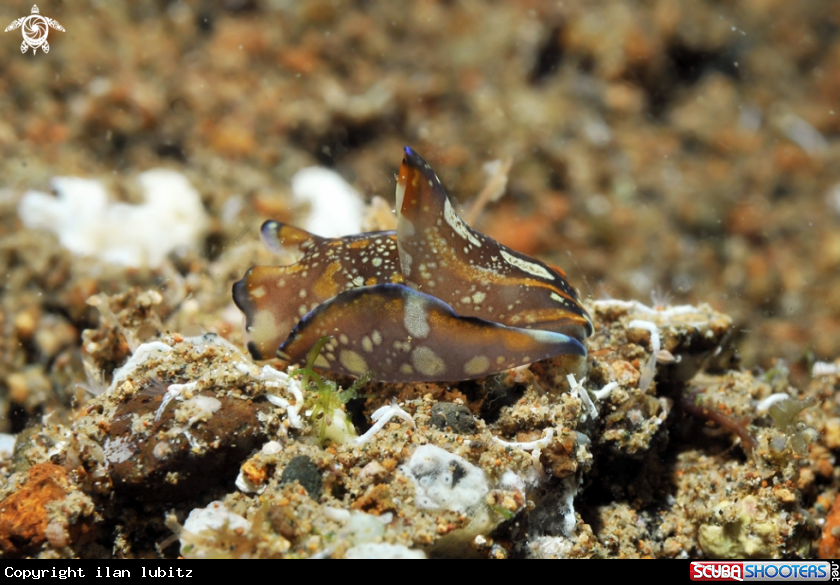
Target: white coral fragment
{"type": "Point", "coordinates": [88, 224]}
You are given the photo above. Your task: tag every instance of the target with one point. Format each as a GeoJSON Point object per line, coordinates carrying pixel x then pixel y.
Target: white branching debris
{"type": "Point", "coordinates": [604, 392]}
{"type": "Point", "coordinates": [143, 353]}
{"type": "Point", "coordinates": [655, 343]}
{"type": "Point", "coordinates": [272, 378]}
{"type": "Point", "coordinates": [576, 389]}
{"type": "Point", "coordinates": [277, 379]}
{"type": "Point", "coordinates": [534, 447]}
{"type": "Point", "coordinates": [380, 417]}
{"type": "Point", "coordinates": [174, 391]}
{"type": "Point", "coordinates": [542, 443]}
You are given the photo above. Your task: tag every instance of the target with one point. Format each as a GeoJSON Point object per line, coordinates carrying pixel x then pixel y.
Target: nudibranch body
{"type": "Point", "coordinates": [433, 301]}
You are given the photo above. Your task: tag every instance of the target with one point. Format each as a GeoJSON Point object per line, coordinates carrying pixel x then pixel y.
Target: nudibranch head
{"type": "Point", "coordinates": [444, 257]}
{"type": "Point", "coordinates": [433, 301]}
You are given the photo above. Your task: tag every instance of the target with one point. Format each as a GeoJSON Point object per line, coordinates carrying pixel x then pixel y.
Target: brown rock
{"type": "Point", "coordinates": [23, 515]}
{"type": "Point", "coordinates": [170, 460]}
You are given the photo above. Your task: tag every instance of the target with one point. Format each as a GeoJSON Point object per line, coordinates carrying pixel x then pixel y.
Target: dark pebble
{"type": "Point", "coordinates": [456, 416]}
{"type": "Point", "coordinates": [302, 469]}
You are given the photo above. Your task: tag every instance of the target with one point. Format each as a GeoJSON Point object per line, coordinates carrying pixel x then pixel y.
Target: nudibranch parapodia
{"type": "Point", "coordinates": [433, 301]}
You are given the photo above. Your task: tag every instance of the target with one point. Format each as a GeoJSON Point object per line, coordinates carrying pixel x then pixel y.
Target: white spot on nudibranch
{"type": "Point", "coordinates": [525, 265]}
{"type": "Point", "coordinates": [457, 224]}
{"type": "Point", "coordinates": [478, 365]}
{"type": "Point", "coordinates": [427, 362]}
{"type": "Point", "coordinates": [354, 363]}
{"type": "Point", "coordinates": [367, 344]}
{"type": "Point", "coordinates": [400, 194]}
{"type": "Point", "coordinates": [414, 318]}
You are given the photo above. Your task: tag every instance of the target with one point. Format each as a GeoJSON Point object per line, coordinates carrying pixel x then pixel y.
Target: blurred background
{"type": "Point", "coordinates": [685, 150]}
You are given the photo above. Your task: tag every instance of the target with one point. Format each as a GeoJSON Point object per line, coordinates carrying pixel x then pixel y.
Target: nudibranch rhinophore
{"type": "Point", "coordinates": [433, 301]}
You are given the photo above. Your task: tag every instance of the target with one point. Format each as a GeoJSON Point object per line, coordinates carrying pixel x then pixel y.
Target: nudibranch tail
{"type": "Point", "coordinates": [402, 335]}
{"type": "Point", "coordinates": [268, 320]}
{"type": "Point", "coordinates": [444, 257]}
{"type": "Point", "coordinates": [276, 235]}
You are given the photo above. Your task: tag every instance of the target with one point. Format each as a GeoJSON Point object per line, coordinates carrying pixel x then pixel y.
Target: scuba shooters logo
{"type": "Point", "coordinates": [35, 30]}
{"type": "Point", "coordinates": [764, 571]}
{"type": "Point", "coordinates": [717, 571]}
